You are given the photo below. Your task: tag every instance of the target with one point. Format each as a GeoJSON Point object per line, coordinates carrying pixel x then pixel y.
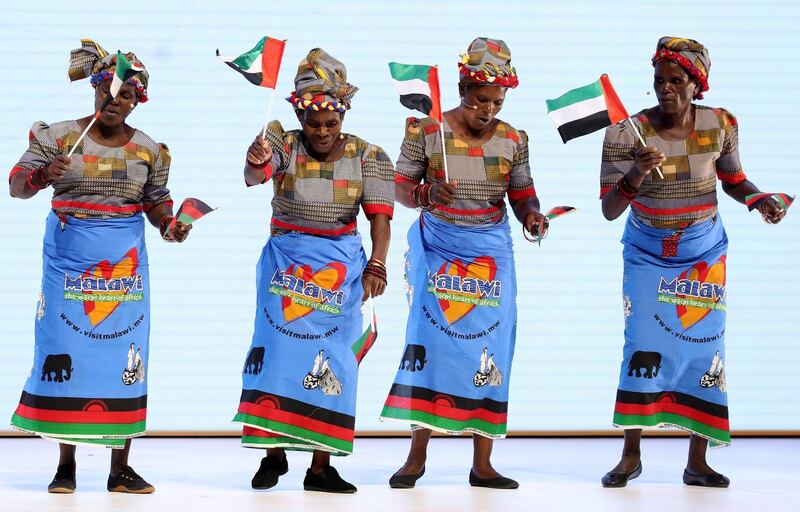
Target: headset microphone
{"type": "Point", "coordinates": [473, 107]}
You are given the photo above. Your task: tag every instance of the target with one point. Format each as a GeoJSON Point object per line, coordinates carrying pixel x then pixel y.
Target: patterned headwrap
{"type": "Point", "coordinates": [93, 62]}
{"type": "Point", "coordinates": [321, 84]}
{"type": "Point", "coordinates": [488, 62]}
{"type": "Point", "coordinates": [687, 53]}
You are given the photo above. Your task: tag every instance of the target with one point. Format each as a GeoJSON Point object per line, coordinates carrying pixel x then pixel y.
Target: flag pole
{"type": "Point", "coordinates": [441, 132]}
{"type": "Point", "coordinates": [269, 114]}
{"type": "Point", "coordinates": [641, 139]}
{"type": "Point", "coordinates": [372, 313]}
{"type": "Point", "coordinates": [444, 153]}
{"type": "Point", "coordinates": [91, 123]}
{"type": "Point", "coordinates": [72, 150]}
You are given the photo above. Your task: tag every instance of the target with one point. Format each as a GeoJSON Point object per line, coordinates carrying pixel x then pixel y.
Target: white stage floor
{"type": "Point", "coordinates": [554, 474]}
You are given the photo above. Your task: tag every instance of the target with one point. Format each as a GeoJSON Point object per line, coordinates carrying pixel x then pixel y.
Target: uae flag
{"type": "Point", "coordinates": [418, 87]}
{"type": "Point", "coordinates": [191, 209]}
{"type": "Point", "coordinates": [586, 109]}
{"type": "Point", "coordinates": [753, 200]}
{"type": "Point", "coordinates": [261, 64]}
{"type": "Point", "coordinates": [123, 71]}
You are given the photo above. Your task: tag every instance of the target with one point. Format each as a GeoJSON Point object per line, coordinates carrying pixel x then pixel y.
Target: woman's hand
{"type": "Point", "coordinates": [771, 211]}
{"type": "Point", "coordinates": [647, 159]}
{"type": "Point", "coordinates": [259, 152]}
{"type": "Point", "coordinates": [373, 286]}
{"type": "Point", "coordinates": [533, 220]}
{"type": "Point", "coordinates": [444, 193]}
{"type": "Point", "coordinates": [177, 234]}
{"type": "Point", "coordinates": [56, 169]}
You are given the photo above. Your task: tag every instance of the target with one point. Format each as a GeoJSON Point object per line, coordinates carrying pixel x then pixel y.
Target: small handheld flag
{"type": "Point", "coordinates": [590, 108]}
{"type": "Point", "coordinates": [558, 211]}
{"type": "Point", "coordinates": [260, 66]}
{"type": "Point", "coordinates": [123, 71]}
{"type": "Point", "coordinates": [190, 210]}
{"type": "Point", "coordinates": [753, 200]}
{"type": "Point", "coordinates": [367, 339]}
{"type": "Point", "coordinates": [553, 213]}
{"type": "Point", "coordinates": [586, 109]}
{"type": "Point", "coordinates": [418, 86]}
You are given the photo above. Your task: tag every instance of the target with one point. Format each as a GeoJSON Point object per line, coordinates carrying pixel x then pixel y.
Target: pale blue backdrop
{"type": "Point", "coordinates": [570, 328]}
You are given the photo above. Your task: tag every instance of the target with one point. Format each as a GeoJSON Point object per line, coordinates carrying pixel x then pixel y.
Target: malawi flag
{"type": "Point", "coordinates": [752, 201]}
{"type": "Point", "coordinates": [191, 209]}
{"type": "Point", "coordinates": [558, 211]}
{"type": "Point", "coordinates": [365, 342]}
{"type": "Point", "coordinates": [123, 71]}
{"type": "Point", "coordinates": [586, 109]}
{"type": "Point", "coordinates": [418, 87]}
{"type": "Point", "coordinates": [261, 64]}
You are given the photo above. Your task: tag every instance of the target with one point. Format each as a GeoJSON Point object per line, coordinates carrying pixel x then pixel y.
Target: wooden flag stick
{"type": "Point", "coordinates": [444, 153]}
{"type": "Point", "coordinates": [269, 114]}
{"type": "Point", "coordinates": [372, 313]}
{"type": "Point", "coordinates": [441, 131]}
{"type": "Point", "coordinates": [95, 118]}
{"type": "Point", "coordinates": [641, 139]}
{"type": "Point", "coordinates": [75, 146]}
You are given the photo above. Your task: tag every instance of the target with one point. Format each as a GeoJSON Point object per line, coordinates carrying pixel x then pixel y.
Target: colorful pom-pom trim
{"type": "Point", "coordinates": [317, 103]}
{"type": "Point", "coordinates": [502, 78]}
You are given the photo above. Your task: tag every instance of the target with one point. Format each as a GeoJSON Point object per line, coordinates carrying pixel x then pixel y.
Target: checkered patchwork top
{"type": "Point", "coordinates": [485, 174]}
{"type": "Point", "coordinates": [688, 192]}
{"type": "Point", "coordinates": [323, 198]}
{"type": "Point", "coordinates": [103, 181]}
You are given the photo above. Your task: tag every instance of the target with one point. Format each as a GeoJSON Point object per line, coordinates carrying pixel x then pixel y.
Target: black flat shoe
{"type": "Point", "coordinates": [64, 481]}
{"type": "Point", "coordinates": [612, 479]}
{"type": "Point", "coordinates": [267, 475]}
{"type": "Point", "coordinates": [328, 481]}
{"type": "Point", "coordinates": [712, 480]}
{"type": "Point", "coordinates": [129, 481]}
{"type": "Point", "coordinates": [405, 481]}
{"type": "Point", "coordinates": [496, 482]}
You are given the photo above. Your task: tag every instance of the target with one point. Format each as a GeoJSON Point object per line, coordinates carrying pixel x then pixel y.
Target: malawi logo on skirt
{"type": "Point", "coordinates": [461, 286]}
{"type": "Point", "coordinates": [696, 292]}
{"type": "Point", "coordinates": [104, 286]}
{"type": "Point", "coordinates": [304, 290]}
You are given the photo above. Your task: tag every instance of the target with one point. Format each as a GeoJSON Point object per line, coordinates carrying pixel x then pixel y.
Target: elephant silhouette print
{"type": "Point", "coordinates": [715, 376]}
{"type": "Point", "coordinates": [322, 377]}
{"type": "Point", "coordinates": [57, 367]}
{"type": "Point", "coordinates": [135, 369]}
{"type": "Point", "coordinates": [487, 373]}
{"type": "Point", "coordinates": [413, 358]}
{"type": "Point", "coordinates": [255, 361]}
{"type": "Point", "coordinates": [649, 361]}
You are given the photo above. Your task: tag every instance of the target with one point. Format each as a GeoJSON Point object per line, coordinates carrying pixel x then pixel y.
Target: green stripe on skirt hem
{"type": "Point", "coordinates": [288, 443]}
{"type": "Point", "coordinates": [715, 436]}
{"type": "Point", "coordinates": [444, 425]}
{"type": "Point", "coordinates": [79, 430]}
{"type": "Point", "coordinates": [114, 444]}
{"type": "Point", "coordinates": [316, 439]}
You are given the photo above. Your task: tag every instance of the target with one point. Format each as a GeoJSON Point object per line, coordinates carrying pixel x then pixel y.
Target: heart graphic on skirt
{"type": "Point", "coordinates": [329, 277]}
{"type": "Point", "coordinates": [125, 267]}
{"type": "Point", "coordinates": [482, 267]}
{"type": "Point", "coordinates": [714, 274]}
